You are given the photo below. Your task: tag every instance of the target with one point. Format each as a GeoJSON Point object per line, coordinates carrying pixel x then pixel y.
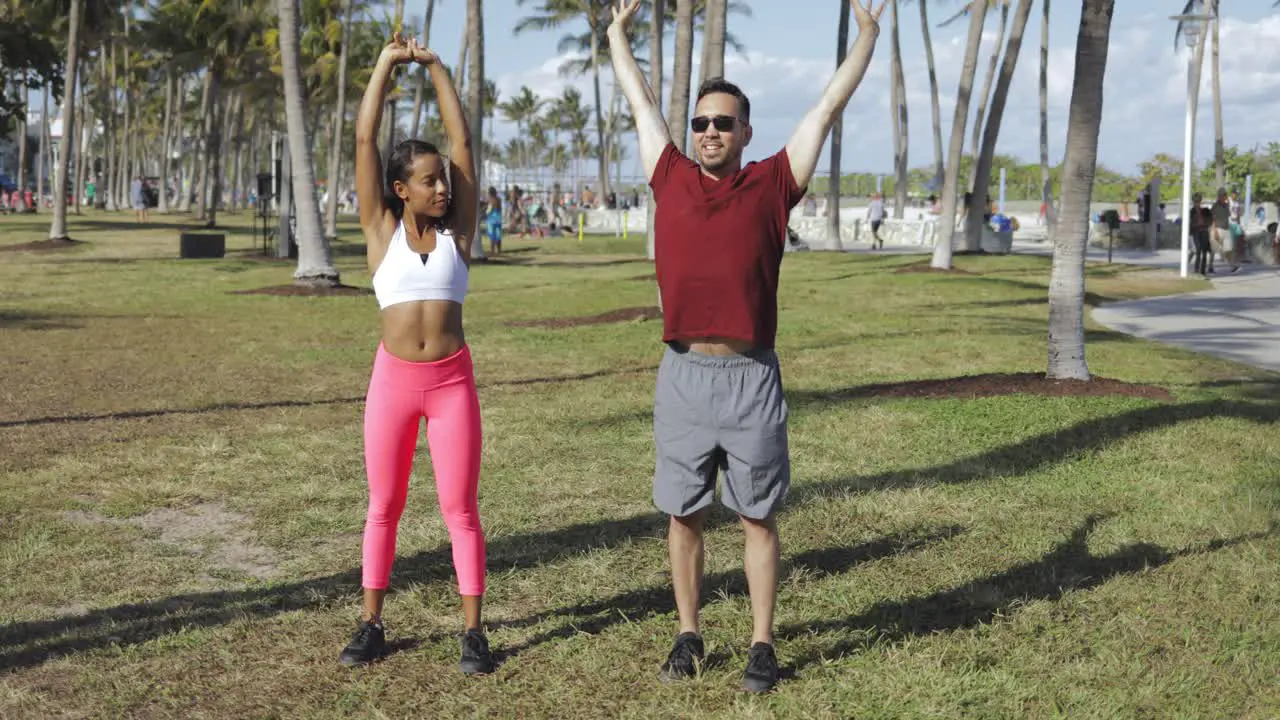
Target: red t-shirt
{"type": "Point", "coordinates": [718, 246]}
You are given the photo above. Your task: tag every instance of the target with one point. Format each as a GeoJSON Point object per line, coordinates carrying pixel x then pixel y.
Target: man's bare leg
{"type": "Point", "coordinates": [685, 548]}
{"type": "Point", "coordinates": [760, 561]}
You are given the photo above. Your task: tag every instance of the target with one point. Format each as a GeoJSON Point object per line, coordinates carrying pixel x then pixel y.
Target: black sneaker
{"type": "Point", "coordinates": [685, 657]}
{"type": "Point", "coordinates": [476, 658]}
{"type": "Point", "coordinates": [368, 644]}
{"type": "Point", "coordinates": [762, 669]}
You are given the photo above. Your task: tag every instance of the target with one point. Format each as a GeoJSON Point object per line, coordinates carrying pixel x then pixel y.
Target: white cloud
{"type": "Point", "coordinates": [1144, 102]}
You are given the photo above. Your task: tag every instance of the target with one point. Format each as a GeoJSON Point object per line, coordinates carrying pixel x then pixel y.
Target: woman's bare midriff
{"type": "Point", "coordinates": [716, 345]}
{"type": "Point", "coordinates": [424, 331]}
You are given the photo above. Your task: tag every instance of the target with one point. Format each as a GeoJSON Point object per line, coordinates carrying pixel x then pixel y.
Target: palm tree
{"type": "Point", "coordinates": [553, 14]}
{"type": "Point", "coordinates": [712, 64]}
{"type": "Point", "coordinates": [657, 21]}
{"type": "Point", "coordinates": [982, 171]}
{"type": "Point", "coordinates": [947, 221]}
{"type": "Point", "coordinates": [58, 226]}
{"type": "Point", "coordinates": [1070, 236]}
{"type": "Point", "coordinates": [520, 109]}
{"type": "Point", "coordinates": [678, 115]}
{"type": "Point", "coordinates": [1046, 184]}
{"type": "Point", "coordinates": [338, 126]}
{"type": "Point", "coordinates": [984, 95]}
{"type": "Point", "coordinates": [475, 103]}
{"type": "Point", "coordinates": [315, 261]}
{"type": "Point", "coordinates": [898, 106]}
{"type": "Point", "coordinates": [837, 137]}
{"type": "Point", "coordinates": [933, 92]}
{"type": "Point", "coordinates": [1219, 148]}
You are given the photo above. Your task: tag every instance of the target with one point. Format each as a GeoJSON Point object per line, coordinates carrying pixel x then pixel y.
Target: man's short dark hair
{"type": "Point", "coordinates": [720, 85]}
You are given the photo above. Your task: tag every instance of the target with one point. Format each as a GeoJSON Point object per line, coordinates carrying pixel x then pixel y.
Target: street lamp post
{"type": "Point", "coordinates": [1191, 26]}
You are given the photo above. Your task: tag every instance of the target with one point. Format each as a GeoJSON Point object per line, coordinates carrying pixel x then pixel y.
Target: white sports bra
{"type": "Point", "coordinates": [406, 276]}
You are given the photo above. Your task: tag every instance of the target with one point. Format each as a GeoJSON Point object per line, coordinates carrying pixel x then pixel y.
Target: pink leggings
{"type": "Point", "coordinates": [401, 393]}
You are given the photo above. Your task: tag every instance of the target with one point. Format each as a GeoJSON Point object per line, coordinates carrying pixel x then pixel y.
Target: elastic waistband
{"type": "Point", "coordinates": [422, 375]}
{"type": "Point", "coordinates": [756, 356]}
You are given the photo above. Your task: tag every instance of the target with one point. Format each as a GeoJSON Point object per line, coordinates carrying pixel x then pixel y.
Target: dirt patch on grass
{"type": "Point", "coordinates": [926, 268]}
{"type": "Point", "coordinates": [645, 278]}
{"type": "Point", "coordinates": [209, 530]}
{"type": "Point", "coordinates": [43, 246]}
{"type": "Point", "coordinates": [996, 384]}
{"type": "Point", "coordinates": [630, 314]}
{"type": "Point", "coordinates": [292, 290]}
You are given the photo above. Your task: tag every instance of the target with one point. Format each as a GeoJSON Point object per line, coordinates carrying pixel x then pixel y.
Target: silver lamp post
{"type": "Point", "coordinates": [1191, 26]}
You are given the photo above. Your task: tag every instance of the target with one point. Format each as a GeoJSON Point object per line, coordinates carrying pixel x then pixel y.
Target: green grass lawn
{"type": "Point", "coordinates": [182, 494]}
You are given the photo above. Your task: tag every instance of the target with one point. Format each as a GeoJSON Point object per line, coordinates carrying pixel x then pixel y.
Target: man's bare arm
{"type": "Point", "coordinates": [806, 143]}
{"type": "Point", "coordinates": [651, 129]}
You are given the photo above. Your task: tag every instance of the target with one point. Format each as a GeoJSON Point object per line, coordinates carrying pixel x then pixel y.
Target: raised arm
{"type": "Point", "coordinates": [806, 143]}
{"type": "Point", "coordinates": [462, 163]}
{"type": "Point", "coordinates": [651, 129]}
{"type": "Point", "coordinates": [376, 220]}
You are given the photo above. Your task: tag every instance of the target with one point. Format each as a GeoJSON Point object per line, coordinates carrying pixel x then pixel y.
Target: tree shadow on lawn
{"type": "Point", "coordinates": [1068, 567]}
{"type": "Point", "coordinates": [24, 644]}
{"type": "Point", "coordinates": [238, 406]}
{"type": "Point", "coordinates": [636, 605]}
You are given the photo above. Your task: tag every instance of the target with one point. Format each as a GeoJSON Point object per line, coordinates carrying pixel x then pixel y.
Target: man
{"type": "Point", "coordinates": [1223, 241]}
{"type": "Point", "coordinates": [138, 200]}
{"type": "Point", "coordinates": [719, 234]}
{"type": "Point", "coordinates": [876, 215]}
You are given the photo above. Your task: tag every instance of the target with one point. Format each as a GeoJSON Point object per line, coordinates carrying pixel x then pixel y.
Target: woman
{"type": "Point", "coordinates": [493, 220]}
{"type": "Point", "coordinates": [419, 226]}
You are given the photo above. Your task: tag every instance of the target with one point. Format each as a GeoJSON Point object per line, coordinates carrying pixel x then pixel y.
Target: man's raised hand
{"type": "Point", "coordinates": [867, 18]}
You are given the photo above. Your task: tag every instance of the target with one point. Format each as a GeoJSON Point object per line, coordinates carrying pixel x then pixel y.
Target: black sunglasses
{"type": "Point", "coordinates": [723, 123]}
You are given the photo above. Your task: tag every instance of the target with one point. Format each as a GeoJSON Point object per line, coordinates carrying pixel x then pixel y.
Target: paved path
{"type": "Point", "coordinates": [1239, 319]}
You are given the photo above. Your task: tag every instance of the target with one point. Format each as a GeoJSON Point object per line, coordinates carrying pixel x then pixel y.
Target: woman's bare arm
{"type": "Point", "coordinates": [376, 219]}
{"type": "Point", "coordinates": [462, 163]}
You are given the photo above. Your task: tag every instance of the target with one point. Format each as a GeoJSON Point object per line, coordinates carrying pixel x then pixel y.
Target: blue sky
{"type": "Point", "coordinates": [790, 51]}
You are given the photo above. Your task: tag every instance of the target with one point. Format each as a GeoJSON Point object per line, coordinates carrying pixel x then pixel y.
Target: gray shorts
{"type": "Point", "coordinates": [720, 413]}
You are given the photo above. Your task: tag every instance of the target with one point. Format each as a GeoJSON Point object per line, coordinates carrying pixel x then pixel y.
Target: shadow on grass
{"type": "Point", "coordinates": [1068, 567]}
{"type": "Point", "coordinates": [230, 407]}
{"type": "Point", "coordinates": [636, 605]}
{"type": "Point", "coordinates": [24, 644]}
{"type": "Point", "coordinates": [31, 320]}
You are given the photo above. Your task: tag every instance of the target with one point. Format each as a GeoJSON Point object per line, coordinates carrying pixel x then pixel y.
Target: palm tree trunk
{"type": "Point", "coordinates": [602, 169]}
{"type": "Point", "coordinates": [947, 221]}
{"type": "Point", "coordinates": [837, 138]}
{"type": "Point", "coordinates": [717, 12]}
{"type": "Point", "coordinates": [22, 144]}
{"type": "Point", "coordinates": [1046, 182]}
{"type": "Point", "coordinates": [237, 141]}
{"type": "Point", "coordinates": [985, 95]}
{"type": "Point", "coordinates": [165, 140]}
{"type": "Point", "coordinates": [933, 92]}
{"type": "Point", "coordinates": [78, 144]}
{"type": "Point", "coordinates": [58, 228]}
{"type": "Point", "coordinates": [221, 106]}
{"type": "Point", "coordinates": [678, 118]}
{"type": "Point", "coordinates": [1066, 279]}
{"type": "Point", "coordinates": [108, 189]}
{"type": "Point", "coordinates": [990, 133]}
{"type": "Point", "coordinates": [44, 145]}
{"type": "Point", "coordinates": [656, 23]}
{"type": "Point", "coordinates": [338, 128]}
{"type": "Point", "coordinates": [898, 98]}
{"type": "Point", "coordinates": [315, 262]}
{"type": "Point", "coordinates": [1219, 149]}
{"type": "Point", "coordinates": [475, 107]}
{"type": "Point", "coordinates": [420, 91]}
{"type": "Point", "coordinates": [207, 109]}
